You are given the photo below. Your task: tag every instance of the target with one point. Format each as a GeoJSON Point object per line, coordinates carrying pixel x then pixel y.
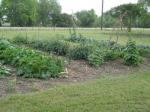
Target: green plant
{"type": "Point", "coordinates": [96, 58]}
{"type": "Point", "coordinates": [4, 44]}
{"type": "Point", "coordinates": [4, 71]}
{"type": "Point", "coordinates": [58, 47]}
{"type": "Point", "coordinates": [80, 52]}
{"type": "Point", "coordinates": [131, 54]}
{"type": "Point", "coordinates": [30, 63]}
{"type": "Point", "coordinates": [111, 55]}
{"type": "Point", "coordinates": [144, 50]}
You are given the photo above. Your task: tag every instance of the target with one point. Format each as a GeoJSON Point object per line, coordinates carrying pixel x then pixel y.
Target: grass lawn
{"type": "Point", "coordinates": [109, 94]}
{"type": "Point", "coordinates": [141, 36]}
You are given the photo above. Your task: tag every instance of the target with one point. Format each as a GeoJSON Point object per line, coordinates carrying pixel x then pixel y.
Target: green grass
{"type": "Point", "coordinates": [141, 36]}
{"type": "Point", "coordinates": [110, 94]}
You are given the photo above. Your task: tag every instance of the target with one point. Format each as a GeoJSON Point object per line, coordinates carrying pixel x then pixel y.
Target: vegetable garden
{"type": "Point", "coordinates": [40, 59]}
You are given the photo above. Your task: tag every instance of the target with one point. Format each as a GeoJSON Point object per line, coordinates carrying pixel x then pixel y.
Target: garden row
{"type": "Point", "coordinates": [94, 52]}
{"type": "Point", "coordinates": [30, 63]}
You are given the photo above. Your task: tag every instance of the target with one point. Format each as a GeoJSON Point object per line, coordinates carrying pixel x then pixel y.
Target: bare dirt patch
{"type": "Point", "coordinates": [78, 71]}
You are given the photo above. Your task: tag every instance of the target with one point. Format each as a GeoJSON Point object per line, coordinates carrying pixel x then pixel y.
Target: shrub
{"type": "Point", "coordinates": [96, 58]}
{"type": "Point", "coordinates": [132, 56]}
{"type": "Point", "coordinates": [80, 52]}
{"type": "Point", "coordinates": [58, 47]}
{"type": "Point", "coordinates": [131, 59]}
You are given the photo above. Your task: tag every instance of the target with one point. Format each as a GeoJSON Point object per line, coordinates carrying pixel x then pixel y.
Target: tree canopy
{"type": "Point", "coordinates": [86, 18]}
{"type": "Point", "coordinates": [48, 13]}
{"type": "Point", "coordinates": [20, 12]}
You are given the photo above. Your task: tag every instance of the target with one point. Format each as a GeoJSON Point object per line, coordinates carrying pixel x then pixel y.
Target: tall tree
{"type": "Point", "coordinates": [20, 12]}
{"type": "Point", "coordinates": [86, 18]}
{"type": "Point", "coordinates": [47, 9]}
{"type": "Point", "coordinates": [128, 12]}
{"type": "Point", "coordinates": [62, 20]}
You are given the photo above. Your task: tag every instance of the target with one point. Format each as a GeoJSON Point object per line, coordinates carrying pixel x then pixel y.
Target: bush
{"type": "Point", "coordinates": [96, 58]}
{"type": "Point", "coordinates": [131, 59]}
{"type": "Point", "coordinates": [132, 56]}
{"type": "Point", "coordinates": [80, 52]}
{"type": "Point", "coordinates": [58, 47]}
{"type": "Point", "coordinates": [30, 63]}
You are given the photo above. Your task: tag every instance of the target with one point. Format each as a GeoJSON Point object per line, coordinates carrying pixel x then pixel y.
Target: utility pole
{"type": "Point", "coordinates": [102, 15]}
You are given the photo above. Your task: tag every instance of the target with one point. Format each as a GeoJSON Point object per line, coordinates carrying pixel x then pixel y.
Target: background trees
{"type": "Point", "coordinates": [86, 18]}
{"type": "Point", "coordinates": [47, 9]}
{"type": "Point", "coordinates": [127, 15]}
{"type": "Point", "coordinates": [20, 12]}
{"type": "Point", "coordinates": [48, 13]}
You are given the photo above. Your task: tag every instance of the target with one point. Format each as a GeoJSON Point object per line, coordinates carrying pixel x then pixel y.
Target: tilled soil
{"type": "Point", "coordinates": [78, 71]}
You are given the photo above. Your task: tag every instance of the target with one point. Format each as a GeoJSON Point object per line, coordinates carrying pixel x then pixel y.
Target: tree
{"type": "Point", "coordinates": [62, 20]}
{"type": "Point", "coordinates": [127, 12]}
{"type": "Point", "coordinates": [144, 20]}
{"type": "Point", "coordinates": [86, 18]}
{"type": "Point", "coordinates": [145, 2]}
{"type": "Point", "coordinates": [20, 12]}
{"type": "Point", "coordinates": [47, 9]}
{"type": "Point", "coordinates": [109, 21]}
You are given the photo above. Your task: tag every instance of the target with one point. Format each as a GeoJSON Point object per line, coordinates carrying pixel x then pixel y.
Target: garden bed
{"type": "Point", "coordinates": [78, 72]}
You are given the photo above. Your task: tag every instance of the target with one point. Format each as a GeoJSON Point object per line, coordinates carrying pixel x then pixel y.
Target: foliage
{"type": "Point", "coordinates": [127, 15]}
{"type": "Point", "coordinates": [144, 51]}
{"type": "Point", "coordinates": [80, 52]}
{"type": "Point", "coordinates": [96, 58]}
{"type": "Point", "coordinates": [20, 13]}
{"type": "Point", "coordinates": [74, 37]}
{"type": "Point", "coordinates": [4, 44]}
{"type": "Point", "coordinates": [4, 71]}
{"type": "Point", "coordinates": [86, 18]}
{"type": "Point", "coordinates": [58, 47]}
{"type": "Point", "coordinates": [111, 55]}
{"type": "Point", "coordinates": [30, 63]}
{"type": "Point", "coordinates": [132, 56]}
{"type": "Point", "coordinates": [62, 20]}
{"type": "Point", "coordinates": [48, 10]}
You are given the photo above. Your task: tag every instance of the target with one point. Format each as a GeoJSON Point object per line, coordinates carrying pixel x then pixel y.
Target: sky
{"type": "Point", "coordinates": [72, 6]}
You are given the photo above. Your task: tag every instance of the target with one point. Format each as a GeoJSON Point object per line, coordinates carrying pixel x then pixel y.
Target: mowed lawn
{"type": "Point", "coordinates": [109, 94]}
{"type": "Point", "coordinates": [141, 36]}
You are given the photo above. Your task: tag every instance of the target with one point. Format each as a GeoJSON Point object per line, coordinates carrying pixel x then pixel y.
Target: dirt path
{"type": "Point", "coordinates": [78, 71]}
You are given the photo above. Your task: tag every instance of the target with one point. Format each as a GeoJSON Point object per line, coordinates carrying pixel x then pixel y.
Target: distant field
{"type": "Point", "coordinates": [141, 36]}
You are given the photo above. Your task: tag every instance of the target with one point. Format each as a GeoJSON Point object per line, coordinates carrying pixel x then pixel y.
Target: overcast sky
{"type": "Point", "coordinates": [69, 6]}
